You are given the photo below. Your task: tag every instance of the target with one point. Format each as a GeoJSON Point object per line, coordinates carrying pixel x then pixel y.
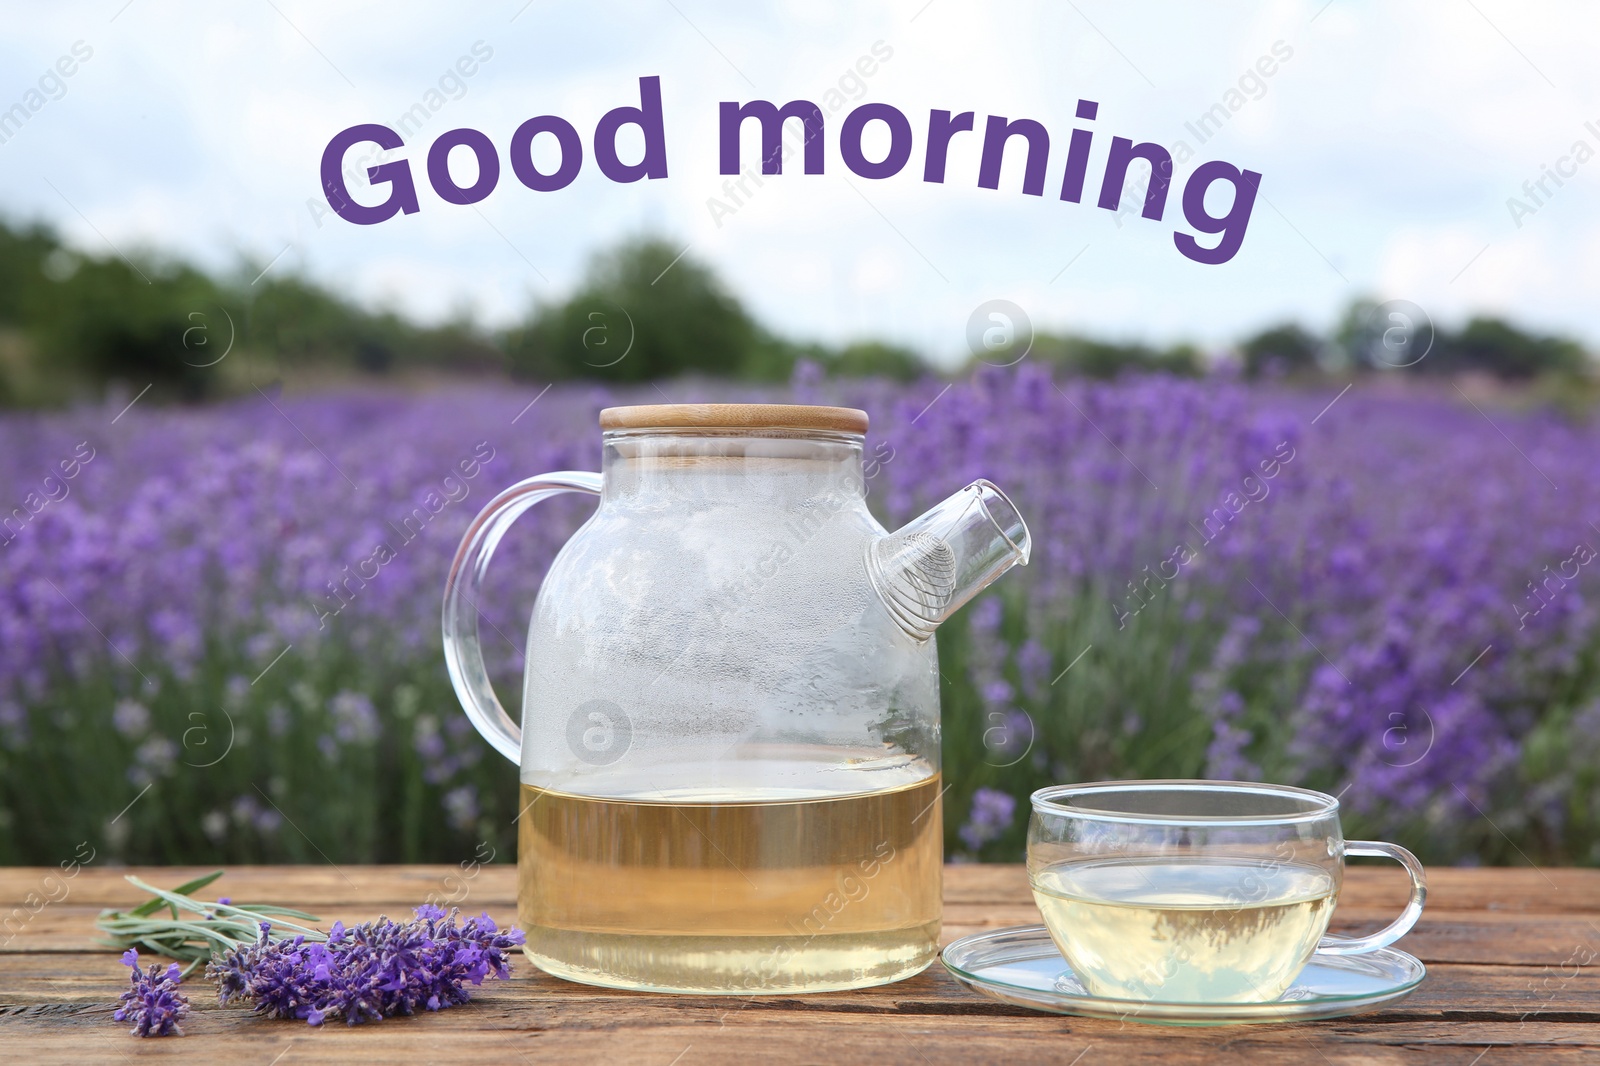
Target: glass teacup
{"type": "Point", "coordinates": [1196, 891]}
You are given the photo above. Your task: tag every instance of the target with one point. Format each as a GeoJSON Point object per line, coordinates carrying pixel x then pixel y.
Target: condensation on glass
{"type": "Point", "coordinates": [729, 744]}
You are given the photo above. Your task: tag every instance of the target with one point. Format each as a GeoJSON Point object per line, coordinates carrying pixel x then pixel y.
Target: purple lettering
{"type": "Point", "coordinates": [522, 153]}
{"type": "Point", "coordinates": [403, 193]}
{"type": "Point", "coordinates": [772, 119]}
{"type": "Point", "coordinates": [647, 116]}
{"type": "Point", "coordinates": [996, 134]}
{"type": "Point", "coordinates": [439, 167]}
{"type": "Point", "coordinates": [942, 127]}
{"type": "Point", "coordinates": [1078, 155]}
{"type": "Point", "coordinates": [1231, 226]}
{"type": "Point", "coordinates": [1124, 152]}
{"type": "Point", "coordinates": [899, 141]}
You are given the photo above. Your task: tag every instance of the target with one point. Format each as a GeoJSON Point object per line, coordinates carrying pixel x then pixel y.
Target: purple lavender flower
{"type": "Point", "coordinates": [992, 814]}
{"type": "Point", "coordinates": [354, 717]}
{"type": "Point", "coordinates": [461, 806]}
{"type": "Point", "coordinates": [153, 1003]}
{"type": "Point", "coordinates": [372, 971]}
{"type": "Point", "coordinates": [1404, 538]}
{"type": "Point", "coordinates": [157, 757]}
{"type": "Point", "coordinates": [1033, 663]}
{"type": "Point", "coordinates": [130, 718]}
{"type": "Point", "coordinates": [998, 693]}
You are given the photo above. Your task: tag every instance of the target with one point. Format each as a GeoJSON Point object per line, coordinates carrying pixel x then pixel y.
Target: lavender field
{"type": "Point", "coordinates": [219, 625]}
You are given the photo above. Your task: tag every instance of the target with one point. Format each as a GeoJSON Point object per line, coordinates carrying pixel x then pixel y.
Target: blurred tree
{"type": "Point", "coordinates": [865, 359]}
{"type": "Point", "coordinates": [1497, 347]}
{"type": "Point", "coordinates": [644, 311]}
{"type": "Point", "coordinates": [299, 322]}
{"type": "Point", "coordinates": [23, 253]}
{"type": "Point", "coordinates": [1180, 360]}
{"type": "Point", "coordinates": [1279, 350]}
{"type": "Point", "coordinates": [122, 324]}
{"type": "Point", "coordinates": [1356, 335]}
{"type": "Point", "coordinates": [1104, 359]}
{"type": "Point", "coordinates": [73, 324]}
{"type": "Point", "coordinates": [1367, 336]}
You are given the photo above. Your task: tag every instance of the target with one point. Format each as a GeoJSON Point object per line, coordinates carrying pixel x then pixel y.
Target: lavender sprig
{"type": "Point", "coordinates": [153, 1003]}
{"type": "Point", "coordinates": [286, 969]}
{"type": "Point", "coordinates": [375, 970]}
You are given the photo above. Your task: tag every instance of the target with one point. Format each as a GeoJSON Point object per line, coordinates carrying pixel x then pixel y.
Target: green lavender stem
{"type": "Point", "coordinates": [219, 927]}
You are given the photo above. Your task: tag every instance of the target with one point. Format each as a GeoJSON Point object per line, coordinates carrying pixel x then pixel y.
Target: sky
{"type": "Point", "coordinates": [1390, 138]}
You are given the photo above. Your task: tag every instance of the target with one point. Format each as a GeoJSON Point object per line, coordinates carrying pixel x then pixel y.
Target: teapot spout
{"type": "Point", "coordinates": [925, 571]}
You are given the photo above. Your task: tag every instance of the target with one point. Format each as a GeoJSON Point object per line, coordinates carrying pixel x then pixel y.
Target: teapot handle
{"type": "Point", "coordinates": [463, 653]}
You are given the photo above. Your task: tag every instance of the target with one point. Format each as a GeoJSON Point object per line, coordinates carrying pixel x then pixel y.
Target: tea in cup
{"type": "Point", "coordinates": [1196, 891]}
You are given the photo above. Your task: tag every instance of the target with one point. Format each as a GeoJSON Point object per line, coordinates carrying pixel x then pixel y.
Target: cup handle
{"type": "Point", "coordinates": [1360, 945]}
{"type": "Point", "coordinates": [463, 653]}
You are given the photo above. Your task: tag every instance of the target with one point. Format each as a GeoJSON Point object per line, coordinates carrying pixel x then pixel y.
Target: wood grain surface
{"type": "Point", "coordinates": [1513, 961]}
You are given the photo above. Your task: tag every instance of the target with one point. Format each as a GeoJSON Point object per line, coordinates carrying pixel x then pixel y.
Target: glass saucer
{"type": "Point", "coordinates": [1022, 965]}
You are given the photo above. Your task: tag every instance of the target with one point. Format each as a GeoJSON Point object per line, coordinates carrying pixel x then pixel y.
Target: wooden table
{"type": "Point", "coordinates": [1513, 976]}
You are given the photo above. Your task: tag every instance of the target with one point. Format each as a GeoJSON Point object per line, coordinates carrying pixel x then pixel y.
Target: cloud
{"type": "Point", "coordinates": [1389, 143]}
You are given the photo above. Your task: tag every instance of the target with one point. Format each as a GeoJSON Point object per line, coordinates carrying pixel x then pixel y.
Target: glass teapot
{"type": "Point", "coordinates": [730, 735]}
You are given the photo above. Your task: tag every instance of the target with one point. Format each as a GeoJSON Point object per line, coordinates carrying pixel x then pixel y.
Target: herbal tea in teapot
{"type": "Point", "coordinates": [730, 741]}
{"type": "Point", "coordinates": [769, 884]}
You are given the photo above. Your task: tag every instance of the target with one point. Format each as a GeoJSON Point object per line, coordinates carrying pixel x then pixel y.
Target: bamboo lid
{"type": "Point", "coordinates": [734, 416]}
